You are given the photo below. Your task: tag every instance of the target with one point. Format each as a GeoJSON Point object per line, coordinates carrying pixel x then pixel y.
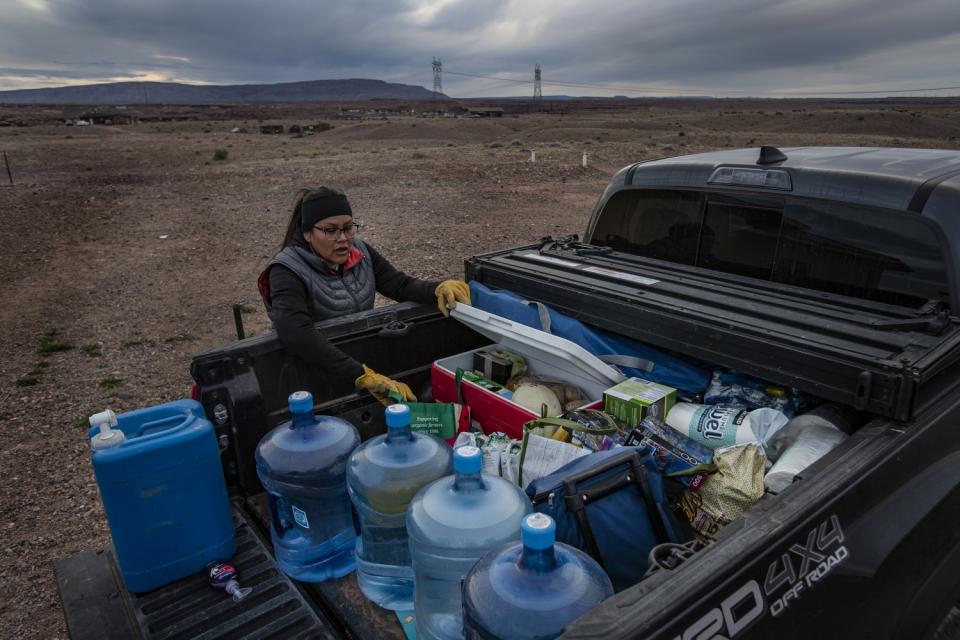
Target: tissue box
{"type": "Point", "coordinates": [634, 399]}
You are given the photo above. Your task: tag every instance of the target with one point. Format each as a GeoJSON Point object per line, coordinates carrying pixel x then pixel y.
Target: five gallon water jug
{"type": "Point", "coordinates": [383, 476]}
{"type": "Point", "coordinates": [303, 466]}
{"type": "Point", "coordinates": [452, 522]}
{"type": "Point", "coordinates": [532, 589]}
{"type": "Point", "coordinates": [163, 492]}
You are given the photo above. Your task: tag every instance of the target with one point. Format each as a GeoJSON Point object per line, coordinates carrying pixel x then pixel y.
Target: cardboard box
{"type": "Point", "coordinates": [634, 399]}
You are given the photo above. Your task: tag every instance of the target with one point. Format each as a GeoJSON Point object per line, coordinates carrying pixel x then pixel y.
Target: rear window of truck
{"type": "Point", "coordinates": [876, 254]}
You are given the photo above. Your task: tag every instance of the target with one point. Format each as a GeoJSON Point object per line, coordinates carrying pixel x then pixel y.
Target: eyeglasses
{"type": "Point", "coordinates": [348, 230]}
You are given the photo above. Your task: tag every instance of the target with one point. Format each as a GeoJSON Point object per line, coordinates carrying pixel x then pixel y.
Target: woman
{"type": "Point", "coordinates": [323, 271]}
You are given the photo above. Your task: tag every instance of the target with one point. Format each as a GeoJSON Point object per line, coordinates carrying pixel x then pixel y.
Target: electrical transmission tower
{"type": "Point", "coordinates": [437, 82]}
{"type": "Point", "coordinates": [537, 90]}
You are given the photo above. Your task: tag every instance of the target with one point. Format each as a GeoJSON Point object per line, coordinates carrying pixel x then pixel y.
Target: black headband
{"type": "Point", "coordinates": [316, 207]}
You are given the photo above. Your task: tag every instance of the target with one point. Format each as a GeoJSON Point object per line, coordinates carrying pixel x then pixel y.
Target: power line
{"type": "Point", "coordinates": [786, 92]}
{"type": "Point", "coordinates": [484, 90]}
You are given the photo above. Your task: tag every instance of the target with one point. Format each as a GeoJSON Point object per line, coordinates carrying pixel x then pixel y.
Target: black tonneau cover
{"type": "Point", "coordinates": [868, 355]}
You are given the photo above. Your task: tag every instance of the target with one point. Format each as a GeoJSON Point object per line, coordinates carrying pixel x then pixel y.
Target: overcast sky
{"type": "Point", "coordinates": [628, 47]}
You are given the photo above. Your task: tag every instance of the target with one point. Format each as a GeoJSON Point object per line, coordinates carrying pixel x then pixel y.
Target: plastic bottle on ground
{"type": "Point", "coordinates": [383, 476]}
{"type": "Point", "coordinates": [532, 589]}
{"type": "Point", "coordinates": [452, 522]}
{"type": "Point", "coordinates": [223, 575]}
{"type": "Point", "coordinates": [302, 464]}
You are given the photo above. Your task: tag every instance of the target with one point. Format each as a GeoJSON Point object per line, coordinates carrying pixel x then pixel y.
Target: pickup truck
{"type": "Point", "coordinates": [835, 271]}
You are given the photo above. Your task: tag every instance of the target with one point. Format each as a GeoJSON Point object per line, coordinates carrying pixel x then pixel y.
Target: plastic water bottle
{"type": "Point", "coordinates": [452, 522]}
{"type": "Point", "coordinates": [721, 426]}
{"type": "Point", "coordinates": [303, 466]}
{"type": "Point", "coordinates": [383, 476]}
{"type": "Point", "coordinates": [532, 589]}
{"type": "Point", "coordinates": [223, 575]}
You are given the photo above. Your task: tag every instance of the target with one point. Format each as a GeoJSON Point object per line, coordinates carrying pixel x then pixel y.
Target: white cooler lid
{"type": "Point", "coordinates": [558, 352]}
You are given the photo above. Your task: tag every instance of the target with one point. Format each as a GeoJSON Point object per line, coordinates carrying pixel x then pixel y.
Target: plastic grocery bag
{"type": "Point", "coordinates": [501, 453]}
{"type": "Point", "coordinates": [674, 454]}
{"type": "Point", "coordinates": [545, 448]}
{"type": "Point", "coordinates": [728, 493]}
{"type": "Point", "coordinates": [443, 420]}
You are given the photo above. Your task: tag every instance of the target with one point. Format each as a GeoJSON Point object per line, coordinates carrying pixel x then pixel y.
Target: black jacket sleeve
{"type": "Point", "coordinates": [294, 326]}
{"type": "Point", "coordinates": [397, 285]}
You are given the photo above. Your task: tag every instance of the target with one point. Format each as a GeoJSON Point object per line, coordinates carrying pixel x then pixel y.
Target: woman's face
{"type": "Point", "coordinates": [329, 239]}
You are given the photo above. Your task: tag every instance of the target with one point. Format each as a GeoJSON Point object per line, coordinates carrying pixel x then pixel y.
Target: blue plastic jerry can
{"type": "Point", "coordinates": [163, 491]}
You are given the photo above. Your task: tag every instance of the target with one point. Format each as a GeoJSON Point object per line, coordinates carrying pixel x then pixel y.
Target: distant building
{"type": "Point", "coordinates": [94, 117]}
{"type": "Point", "coordinates": [486, 112]}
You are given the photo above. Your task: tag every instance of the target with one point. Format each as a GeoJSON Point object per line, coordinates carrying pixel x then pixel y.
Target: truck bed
{"type": "Point", "coordinates": [98, 606]}
{"type": "Point", "coordinates": [872, 356]}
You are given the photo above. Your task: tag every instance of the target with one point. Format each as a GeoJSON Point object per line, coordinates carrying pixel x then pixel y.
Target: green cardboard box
{"type": "Point", "coordinates": [634, 399]}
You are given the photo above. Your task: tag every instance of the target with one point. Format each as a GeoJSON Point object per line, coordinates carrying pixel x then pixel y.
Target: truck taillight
{"type": "Point", "coordinates": [195, 392]}
{"type": "Point", "coordinates": [748, 177]}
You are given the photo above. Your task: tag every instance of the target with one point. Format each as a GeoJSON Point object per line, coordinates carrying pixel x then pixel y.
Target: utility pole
{"type": "Point", "coordinates": [437, 81]}
{"type": "Point", "coordinates": [7, 162]}
{"type": "Point", "coordinates": [537, 90]}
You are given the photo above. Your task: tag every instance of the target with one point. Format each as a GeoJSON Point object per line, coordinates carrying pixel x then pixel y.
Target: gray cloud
{"type": "Point", "coordinates": [752, 46]}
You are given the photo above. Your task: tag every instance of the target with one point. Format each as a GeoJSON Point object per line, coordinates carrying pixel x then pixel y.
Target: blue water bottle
{"type": "Point", "coordinates": [303, 466]}
{"type": "Point", "coordinates": [532, 589]}
{"type": "Point", "coordinates": [383, 476]}
{"type": "Point", "coordinates": [452, 522]}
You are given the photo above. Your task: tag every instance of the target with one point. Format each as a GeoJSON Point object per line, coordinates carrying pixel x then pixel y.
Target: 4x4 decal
{"type": "Point", "coordinates": [787, 578]}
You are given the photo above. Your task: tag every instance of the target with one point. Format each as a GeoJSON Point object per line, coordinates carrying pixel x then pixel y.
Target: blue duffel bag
{"type": "Point", "coordinates": [612, 505]}
{"type": "Point", "coordinates": [631, 357]}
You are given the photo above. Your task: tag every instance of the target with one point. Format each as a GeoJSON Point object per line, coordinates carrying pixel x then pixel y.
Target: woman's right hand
{"type": "Point", "coordinates": [380, 386]}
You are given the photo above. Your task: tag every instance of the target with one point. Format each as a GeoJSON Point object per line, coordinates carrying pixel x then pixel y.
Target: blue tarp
{"type": "Point", "coordinates": [667, 370]}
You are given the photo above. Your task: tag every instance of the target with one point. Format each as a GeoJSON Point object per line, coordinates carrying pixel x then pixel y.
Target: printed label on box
{"type": "Point", "coordinates": [634, 399]}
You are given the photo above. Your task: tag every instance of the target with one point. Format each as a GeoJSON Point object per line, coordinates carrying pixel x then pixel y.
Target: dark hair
{"type": "Point", "coordinates": [294, 233]}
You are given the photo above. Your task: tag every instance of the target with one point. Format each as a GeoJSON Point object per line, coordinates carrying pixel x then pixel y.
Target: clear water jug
{"type": "Point", "coordinates": [383, 476]}
{"type": "Point", "coordinates": [532, 589]}
{"type": "Point", "coordinates": [303, 466]}
{"type": "Point", "coordinates": [452, 522]}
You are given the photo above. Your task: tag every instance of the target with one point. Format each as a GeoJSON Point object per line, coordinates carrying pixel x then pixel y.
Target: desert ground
{"type": "Point", "coordinates": [125, 247]}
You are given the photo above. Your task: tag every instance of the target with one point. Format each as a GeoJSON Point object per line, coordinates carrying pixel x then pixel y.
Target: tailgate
{"type": "Point", "coordinates": [864, 354]}
{"type": "Point", "coordinates": [97, 605]}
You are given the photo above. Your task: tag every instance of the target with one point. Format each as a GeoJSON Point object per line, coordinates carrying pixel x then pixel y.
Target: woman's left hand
{"type": "Point", "coordinates": [449, 293]}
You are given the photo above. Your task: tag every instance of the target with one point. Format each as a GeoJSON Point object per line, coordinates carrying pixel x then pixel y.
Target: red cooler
{"type": "Point", "coordinates": [546, 355]}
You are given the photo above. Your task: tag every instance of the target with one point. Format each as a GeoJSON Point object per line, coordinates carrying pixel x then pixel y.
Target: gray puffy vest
{"type": "Point", "coordinates": [331, 294]}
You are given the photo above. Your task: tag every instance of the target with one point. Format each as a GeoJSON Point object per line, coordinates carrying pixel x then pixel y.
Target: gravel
{"type": "Point", "coordinates": [126, 247]}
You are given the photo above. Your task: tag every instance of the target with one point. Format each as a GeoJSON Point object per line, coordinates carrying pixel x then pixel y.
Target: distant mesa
{"type": "Point", "coordinates": [187, 94]}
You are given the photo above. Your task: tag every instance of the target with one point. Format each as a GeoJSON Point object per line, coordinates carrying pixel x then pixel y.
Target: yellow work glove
{"type": "Point", "coordinates": [380, 386]}
{"type": "Point", "coordinates": [449, 293]}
